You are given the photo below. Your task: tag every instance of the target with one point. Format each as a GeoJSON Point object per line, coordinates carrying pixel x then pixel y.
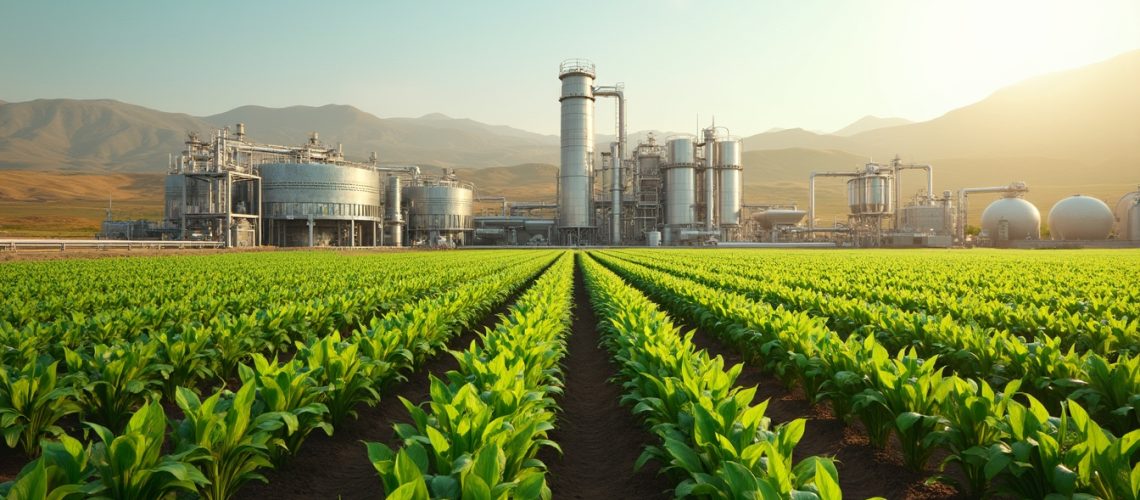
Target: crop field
{"type": "Point", "coordinates": [616, 373]}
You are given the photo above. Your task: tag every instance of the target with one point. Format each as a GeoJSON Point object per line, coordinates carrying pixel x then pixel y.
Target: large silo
{"type": "Point", "coordinates": [439, 211]}
{"type": "Point", "coordinates": [575, 210]}
{"type": "Point", "coordinates": [680, 182]}
{"type": "Point", "coordinates": [320, 204]}
{"type": "Point", "coordinates": [729, 166]}
{"type": "Point", "coordinates": [1080, 218]}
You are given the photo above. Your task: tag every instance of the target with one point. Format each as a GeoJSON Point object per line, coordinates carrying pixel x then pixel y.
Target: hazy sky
{"type": "Point", "coordinates": [753, 64]}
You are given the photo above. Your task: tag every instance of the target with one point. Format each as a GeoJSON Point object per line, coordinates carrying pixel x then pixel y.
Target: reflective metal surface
{"type": "Point", "coordinates": [869, 194]}
{"type": "Point", "coordinates": [682, 151]}
{"type": "Point", "coordinates": [1123, 220]}
{"type": "Point", "coordinates": [680, 195]}
{"type": "Point", "coordinates": [728, 153]}
{"type": "Point", "coordinates": [577, 155]}
{"type": "Point", "coordinates": [1134, 222]}
{"type": "Point", "coordinates": [653, 238]}
{"type": "Point", "coordinates": [438, 207]}
{"type": "Point", "coordinates": [778, 217]}
{"type": "Point", "coordinates": [728, 160]}
{"type": "Point", "coordinates": [322, 190]}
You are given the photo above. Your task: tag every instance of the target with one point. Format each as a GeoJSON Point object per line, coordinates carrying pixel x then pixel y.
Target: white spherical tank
{"type": "Point", "coordinates": [1080, 218]}
{"type": "Point", "coordinates": [1023, 219]}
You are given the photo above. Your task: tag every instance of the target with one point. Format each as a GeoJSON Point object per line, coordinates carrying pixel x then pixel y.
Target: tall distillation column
{"type": "Point", "coordinates": [575, 210]}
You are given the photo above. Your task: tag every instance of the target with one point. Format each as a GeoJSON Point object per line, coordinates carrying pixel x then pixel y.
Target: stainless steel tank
{"type": "Point", "coordinates": [680, 182]}
{"type": "Point", "coordinates": [1080, 218]}
{"type": "Point", "coordinates": [869, 194]}
{"type": "Point", "coordinates": [778, 217]}
{"type": "Point", "coordinates": [577, 157]}
{"type": "Point", "coordinates": [729, 165]}
{"type": "Point", "coordinates": [323, 190]}
{"type": "Point", "coordinates": [653, 238]}
{"type": "Point", "coordinates": [442, 207]}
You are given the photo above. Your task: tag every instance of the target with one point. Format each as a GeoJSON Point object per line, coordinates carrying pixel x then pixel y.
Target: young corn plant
{"type": "Point", "coordinates": [345, 377]}
{"type": "Point", "coordinates": [975, 416]}
{"type": "Point", "coordinates": [62, 472]}
{"type": "Point", "coordinates": [291, 392]}
{"type": "Point", "coordinates": [190, 356]}
{"type": "Point", "coordinates": [233, 442]}
{"type": "Point", "coordinates": [31, 404]}
{"type": "Point", "coordinates": [131, 466]}
{"type": "Point", "coordinates": [116, 379]}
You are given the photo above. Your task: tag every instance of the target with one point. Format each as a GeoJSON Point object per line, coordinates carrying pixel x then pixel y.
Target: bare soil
{"type": "Point", "coordinates": [600, 439]}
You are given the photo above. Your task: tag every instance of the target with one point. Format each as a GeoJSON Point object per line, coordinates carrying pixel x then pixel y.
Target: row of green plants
{"type": "Point", "coordinates": [1003, 441]}
{"type": "Point", "coordinates": [479, 434]}
{"type": "Point", "coordinates": [68, 305]}
{"type": "Point", "coordinates": [1047, 367]}
{"type": "Point", "coordinates": [714, 440]}
{"type": "Point", "coordinates": [231, 437]}
{"type": "Point", "coordinates": [1110, 332]}
{"type": "Point", "coordinates": [41, 382]}
{"type": "Point", "coordinates": [1076, 282]}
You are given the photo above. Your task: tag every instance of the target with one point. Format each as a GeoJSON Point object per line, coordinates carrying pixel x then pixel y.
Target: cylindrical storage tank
{"type": "Point", "coordinates": [392, 202]}
{"type": "Point", "coordinates": [729, 163]}
{"type": "Point", "coordinates": [322, 190]}
{"type": "Point", "coordinates": [440, 208]}
{"type": "Point", "coordinates": [1123, 221]}
{"type": "Point", "coordinates": [682, 151]}
{"type": "Point", "coordinates": [869, 194]}
{"type": "Point", "coordinates": [1080, 218]}
{"type": "Point", "coordinates": [680, 195]}
{"type": "Point", "coordinates": [1023, 219]}
{"type": "Point", "coordinates": [680, 181]}
{"type": "Point", "coordinates": [172, 204]}
{"type": "Point", "coordinates": [653, 238]}
{"type": "Point", "coordinates": [574, 206]}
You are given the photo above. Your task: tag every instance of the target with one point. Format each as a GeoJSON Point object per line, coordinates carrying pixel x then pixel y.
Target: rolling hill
{"type": "Point", "coordinates": [869, 123]}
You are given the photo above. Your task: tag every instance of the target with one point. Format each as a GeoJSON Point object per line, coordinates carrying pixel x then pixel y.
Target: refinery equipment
{"type": "Point", "coordinates": [244, 193]}
{"type": "Point", "coordinates": [1127, 216]}
{"type": "Point", "coordinates": [876, 216]}
{"type": "Point", "coordinates": [1008, 218]}
{"type": "Point", "coordinates": [1080, 218]}
{"type": "Point", "coordinates": [687, 191]}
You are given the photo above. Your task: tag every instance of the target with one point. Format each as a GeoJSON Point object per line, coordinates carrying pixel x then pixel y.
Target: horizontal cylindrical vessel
{"type": "Point", "coordinates": [321, 190]}
{"type": "Point", "coordinates": [778, 217]}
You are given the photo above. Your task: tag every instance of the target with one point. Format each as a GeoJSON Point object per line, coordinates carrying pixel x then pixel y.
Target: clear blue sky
{"type": "Point", "coordinates": [754, 64]}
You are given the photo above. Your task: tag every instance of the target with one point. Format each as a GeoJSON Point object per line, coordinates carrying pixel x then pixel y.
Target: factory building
{"type": "Point", "coordinates": [244, 193]}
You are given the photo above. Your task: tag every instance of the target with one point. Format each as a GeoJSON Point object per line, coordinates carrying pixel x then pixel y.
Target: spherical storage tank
{"type": "Point", "coordinates": [1022, 218]}
{"type": "Point", "coordinates": [1080, 218]}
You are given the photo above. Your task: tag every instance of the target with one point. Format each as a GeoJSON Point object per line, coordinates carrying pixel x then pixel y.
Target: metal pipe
{"type": "Point", "coordinates": [615, 193]}
{"type": "Point", "coordinates": [710, 177]}
{"type": "Point", "coordinates": [811, 191]}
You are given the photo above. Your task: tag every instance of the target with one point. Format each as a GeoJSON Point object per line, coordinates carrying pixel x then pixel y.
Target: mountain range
{"type": "Point", "coordinates": [1062, 133]}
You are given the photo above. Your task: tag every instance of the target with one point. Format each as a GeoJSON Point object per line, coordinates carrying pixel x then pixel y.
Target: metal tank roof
{"type": "Point", "coordinates": [1023, 217]}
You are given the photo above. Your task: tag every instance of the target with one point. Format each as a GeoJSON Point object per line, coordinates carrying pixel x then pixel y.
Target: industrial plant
{"type": "Point", "coordinates": [677, 190]}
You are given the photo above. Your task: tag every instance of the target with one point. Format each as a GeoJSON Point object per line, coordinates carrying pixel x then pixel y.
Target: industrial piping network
{"type": "Point", "coordinates": [963, 194]}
